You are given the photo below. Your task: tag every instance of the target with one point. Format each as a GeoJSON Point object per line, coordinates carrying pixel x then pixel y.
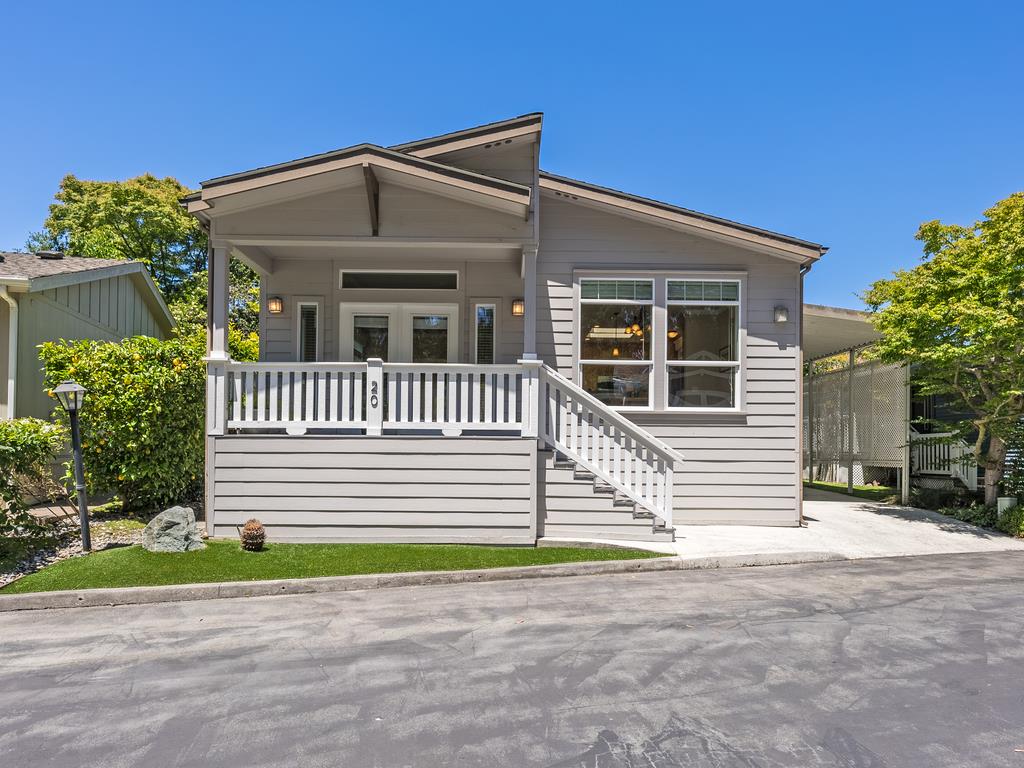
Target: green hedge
{"type": "Point", "coordinates": [1011, 521]}
{"type": "Point", "coordinates": [142, 421]}
{"type": "Point", "coordinates": [28, 448]}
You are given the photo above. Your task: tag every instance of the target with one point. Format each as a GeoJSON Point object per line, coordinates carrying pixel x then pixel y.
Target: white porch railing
{"type": "Point", "coordinates": [941, 454]}
{"type": "Point", "coordinates": [373, 396]}
{"type": "Point", "coordinates": [528, 398]}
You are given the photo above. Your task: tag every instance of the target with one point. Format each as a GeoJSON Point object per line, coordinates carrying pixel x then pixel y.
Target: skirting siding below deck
{"type": "Point", "coordinates": [388, 488]}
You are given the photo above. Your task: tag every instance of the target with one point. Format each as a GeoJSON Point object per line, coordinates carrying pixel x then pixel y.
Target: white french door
{"type": "Point", "coordinates": [400, 333]}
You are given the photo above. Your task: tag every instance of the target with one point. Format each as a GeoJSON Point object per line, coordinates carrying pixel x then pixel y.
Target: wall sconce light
{"type": "Point", "coordinates": [781, 314]}
{"type": "Point", "coordinates": [275, 305]}
{"type": "Point", "coordinates": [518, 307]}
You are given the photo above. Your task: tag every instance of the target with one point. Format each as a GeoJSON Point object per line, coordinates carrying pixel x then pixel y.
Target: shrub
{"type": "Point", "coordinates": [1012, 522]}
{"type": "Point", "coordinates": [253, 535]}
{"type": "Point", "coordinates": [941, 499]}
{"type": "Point", "coordinates": [142, 420]}
{"type": "Point", "coordinates": [975, 514]}
{"type": "Point", "coordinates": [28, 448]}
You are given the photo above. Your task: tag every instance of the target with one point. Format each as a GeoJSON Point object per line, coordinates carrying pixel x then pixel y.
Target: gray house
{"type": "Point", "coordinates": [47, 296]}
{"type": "Point", "coordinates": [459, 346]}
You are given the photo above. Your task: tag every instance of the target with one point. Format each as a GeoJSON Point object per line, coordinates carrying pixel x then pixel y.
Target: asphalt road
{"type": "Point", "coordinates": [896, 662]}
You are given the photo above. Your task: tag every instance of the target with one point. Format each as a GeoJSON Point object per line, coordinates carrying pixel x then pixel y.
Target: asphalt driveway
{"type": "Point", "coordinates": [870, 663]}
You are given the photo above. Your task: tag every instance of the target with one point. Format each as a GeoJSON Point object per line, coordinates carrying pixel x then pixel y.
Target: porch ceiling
{"type": "Point", "coordinates": [829, 330]}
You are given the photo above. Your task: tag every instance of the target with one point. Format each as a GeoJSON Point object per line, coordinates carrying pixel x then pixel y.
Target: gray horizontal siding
{"type": "Point", "coordinates": [376, 488]}
{"type": "Point", "coordinates": [739, 468]}
{"type": "Point", "coordinates": [572, 509]}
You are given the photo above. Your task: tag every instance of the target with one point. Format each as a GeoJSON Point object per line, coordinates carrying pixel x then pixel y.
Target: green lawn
{"type": "Point", "coordinates": [225, 561]}
{"type": "Point", "coordinates": [870, 492]}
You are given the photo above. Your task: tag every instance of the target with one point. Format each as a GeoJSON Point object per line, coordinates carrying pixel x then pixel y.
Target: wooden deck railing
{"type": "Point", "coordinates": [527, 398]}
{"type": "Point", "coordinates": [943, 454]}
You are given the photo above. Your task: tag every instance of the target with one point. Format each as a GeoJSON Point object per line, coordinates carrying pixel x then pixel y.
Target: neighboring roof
{"type": "Point", "coordinates": [32, 272]}
{"type": "Point", "coordinates": [830, 330]}
{"type": "Point", "coordinates": [609, 195]}
{"type": "Point", "coordinates": [531, 120]}
{"type": "Point", "coordinates": [30, 265]}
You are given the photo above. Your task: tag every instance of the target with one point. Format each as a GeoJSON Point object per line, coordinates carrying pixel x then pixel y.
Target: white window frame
{"type": "Point", "coordinates": [736, 364]}
{"type": "Point", "coordinates": [400, 317]}
{"type": "Point", "coordinates": [581, 361]}
{"type": "Point", "coordinates": [495, 305]}
{"type": "Point", "coordinates": [458, 278]}
{"type": "Point", "coordinates": [658, 376]}
{"type": "Point", "coordinates": [318, 306]}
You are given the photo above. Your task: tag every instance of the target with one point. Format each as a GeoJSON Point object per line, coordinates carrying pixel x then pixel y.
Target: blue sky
{"type": "Point", "coordinates": [845, 125]}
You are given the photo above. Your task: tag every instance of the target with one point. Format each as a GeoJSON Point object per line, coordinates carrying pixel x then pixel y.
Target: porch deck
{"type": "Point", "coordinates": [411, 452]}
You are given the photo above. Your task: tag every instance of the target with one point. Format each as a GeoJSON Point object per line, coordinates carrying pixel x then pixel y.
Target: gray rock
{"type": "Point", "coordinates": [173, 530]}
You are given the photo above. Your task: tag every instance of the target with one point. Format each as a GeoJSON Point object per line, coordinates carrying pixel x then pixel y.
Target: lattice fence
{"type": "Point", "coordinates": [871, 408]}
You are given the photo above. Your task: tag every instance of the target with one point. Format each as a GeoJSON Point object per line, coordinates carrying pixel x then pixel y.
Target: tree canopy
{"type": "Point", "coordinates": [958, 319]}
{"type": "Point", "coordinates": [142, 219]}
{"type": "Point", "coordinates": [138, 219]}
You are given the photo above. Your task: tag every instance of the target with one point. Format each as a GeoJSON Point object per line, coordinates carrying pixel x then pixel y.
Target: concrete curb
{"type": "Point", "coordinates": [88, 598]}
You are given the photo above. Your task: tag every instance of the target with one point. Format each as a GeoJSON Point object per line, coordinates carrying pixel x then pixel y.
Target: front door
{"type": "Point", "coordinates": [400, 333]}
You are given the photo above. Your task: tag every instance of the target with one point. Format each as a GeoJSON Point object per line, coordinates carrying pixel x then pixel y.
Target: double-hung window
{"type": "Point", "coordinates": [666, 342]}
{"type": "Point", "coordinates": [702, 349]}
{"type": "Point", "coordinates": [616, 340]}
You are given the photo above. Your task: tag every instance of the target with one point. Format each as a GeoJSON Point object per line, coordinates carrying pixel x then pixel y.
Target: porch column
{"type": "Point", "coordinates": [529, 274]}
{"type": "Point", "coordinates": [218, 300]}
{"type": "Point", "coordinates": [217, 331]}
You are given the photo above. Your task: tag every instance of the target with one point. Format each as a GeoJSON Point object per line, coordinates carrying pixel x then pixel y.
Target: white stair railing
{"type": "Point", "coordinates": [943, 454]}
{"type": "Point", "coordinates": [607, 444]}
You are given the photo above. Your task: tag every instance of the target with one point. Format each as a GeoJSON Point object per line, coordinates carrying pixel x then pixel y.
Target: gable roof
{"type": "Point", "coordinates": [576, 189]}
{"type": "Point", "coordinates": [30, 272]}
{"type": "Point", "coordinates": [501, 192]}
{"type": "Point", "coordinates": [531, 122]}
{"type": "Point", "coordinates": [414, 155]}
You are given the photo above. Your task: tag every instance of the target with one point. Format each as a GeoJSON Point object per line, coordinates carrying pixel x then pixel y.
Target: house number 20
{"type": "Point", "coordinates": [374, 400]}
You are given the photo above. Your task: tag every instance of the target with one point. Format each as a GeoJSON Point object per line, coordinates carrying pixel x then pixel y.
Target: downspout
{"type": "Point", "coordinates": [12, 350]}
{"type": "Point", "coordinates": [804, 269]}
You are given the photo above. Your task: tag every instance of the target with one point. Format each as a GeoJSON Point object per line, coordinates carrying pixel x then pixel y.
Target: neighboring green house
{"type": "Point", "coordinates": [47, 296]}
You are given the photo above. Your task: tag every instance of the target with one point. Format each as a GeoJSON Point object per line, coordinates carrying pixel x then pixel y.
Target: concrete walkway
{"type": "Point", "coordinates": [846, 526]}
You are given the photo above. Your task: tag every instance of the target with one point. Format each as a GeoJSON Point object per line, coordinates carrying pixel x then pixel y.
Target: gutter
{"type": "Point", "coordinates": [12, 350]}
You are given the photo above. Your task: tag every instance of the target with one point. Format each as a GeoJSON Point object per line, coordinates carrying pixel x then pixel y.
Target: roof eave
{"type": "Point", "coordinates": [796, 249]}
{"type": "Point", "coordinates": [532, 122]}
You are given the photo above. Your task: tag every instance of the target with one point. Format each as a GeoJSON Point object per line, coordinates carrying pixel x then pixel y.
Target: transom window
{"type": "Point", "coordinates": [396, 281]}
{"type": "Point", "coordinates": [695, 342]}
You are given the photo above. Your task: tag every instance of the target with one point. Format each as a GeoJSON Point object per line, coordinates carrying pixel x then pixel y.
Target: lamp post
{"type": "Point", "coordinates": [71, 396]}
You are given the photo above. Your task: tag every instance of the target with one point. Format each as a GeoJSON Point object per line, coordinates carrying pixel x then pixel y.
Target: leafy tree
{"type": "Point", "coordinates": [142, 219]}
{"type": "Point", "coordinates": [958, 319]}
{"type": "Point", "coordinates": [189, 309]}
{"type": "Point", "coordinates": [138, 219]}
